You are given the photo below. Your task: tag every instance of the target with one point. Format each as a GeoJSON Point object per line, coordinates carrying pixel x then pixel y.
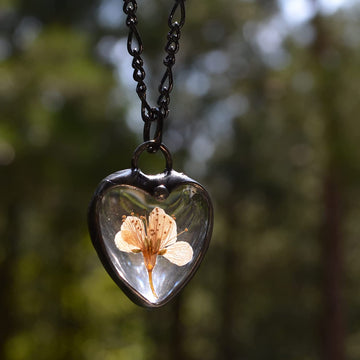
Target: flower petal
{"type": "Point", "coordinates": [134, 231]}
{"type": "Point", "coordinates": [179, 253]}
{"type": "Point", "coordinates": [131, 236]}
{"type": "Point", "coordinates": [162, 228]}
{"type": "Point", "coordinates": [122, 243]}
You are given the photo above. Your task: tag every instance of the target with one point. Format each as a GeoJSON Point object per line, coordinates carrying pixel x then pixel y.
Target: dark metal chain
{"type": "Point", "coordinates": [151, 115]}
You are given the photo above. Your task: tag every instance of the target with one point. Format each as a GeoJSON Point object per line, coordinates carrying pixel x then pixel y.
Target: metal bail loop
{"type": "Point", "coordinates": [150, 145]}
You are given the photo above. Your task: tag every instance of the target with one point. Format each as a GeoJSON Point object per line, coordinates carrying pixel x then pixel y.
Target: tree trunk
{"type": "Point", "coordinates": [177, 331]}
{"type": "Point", "coordinates": [9, 240]}
{"type": "Point", "coordinates": [331, 237]}
{"type": "Point", "coordinates": [228, 346]}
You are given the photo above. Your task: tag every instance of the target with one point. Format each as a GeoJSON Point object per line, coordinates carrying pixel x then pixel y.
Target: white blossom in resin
{"type": "Point", "coordinates": [154, 236]}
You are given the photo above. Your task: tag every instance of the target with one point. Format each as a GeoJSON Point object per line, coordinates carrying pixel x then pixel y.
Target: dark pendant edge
{"type": "Point", "coordinates": [134, 177]}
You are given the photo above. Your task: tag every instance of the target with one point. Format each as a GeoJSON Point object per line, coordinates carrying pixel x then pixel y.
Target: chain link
{"type": "Point", "coordinates": [135, 48]}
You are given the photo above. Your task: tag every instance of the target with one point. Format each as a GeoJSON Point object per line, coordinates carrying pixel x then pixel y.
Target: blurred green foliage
{"type": "Point", "coordinates": [264, 112]}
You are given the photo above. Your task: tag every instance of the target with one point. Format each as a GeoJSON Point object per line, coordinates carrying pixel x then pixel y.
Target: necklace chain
{"type": "Point", "coordinates": [159, 113]}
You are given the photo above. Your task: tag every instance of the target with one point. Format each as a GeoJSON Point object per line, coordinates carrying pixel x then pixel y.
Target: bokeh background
{"type": "Point", "coordinates": [265, 113]}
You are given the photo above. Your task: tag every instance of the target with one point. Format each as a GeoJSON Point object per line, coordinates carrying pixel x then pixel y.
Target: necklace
{"type": "Point", "coordinates": [151, 232]}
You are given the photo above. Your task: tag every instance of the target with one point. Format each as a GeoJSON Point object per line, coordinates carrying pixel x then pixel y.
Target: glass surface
{"type": "Point", "coordinates": [187, 204]}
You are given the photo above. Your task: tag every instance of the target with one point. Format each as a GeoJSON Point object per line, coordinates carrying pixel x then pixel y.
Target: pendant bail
{"type": "Point", "coordinates": [147, 145]}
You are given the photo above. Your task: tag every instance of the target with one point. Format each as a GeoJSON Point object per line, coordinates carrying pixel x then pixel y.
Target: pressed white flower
{"type": "Point", "coordinates": [153, 237]}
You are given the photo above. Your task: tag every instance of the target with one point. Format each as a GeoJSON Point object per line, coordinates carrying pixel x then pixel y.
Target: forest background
{"type": "Point", "coordinates": [264, 112]}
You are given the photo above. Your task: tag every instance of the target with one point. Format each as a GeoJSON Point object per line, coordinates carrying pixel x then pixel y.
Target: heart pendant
{"type": "Point", "coordinates": [151, 232]}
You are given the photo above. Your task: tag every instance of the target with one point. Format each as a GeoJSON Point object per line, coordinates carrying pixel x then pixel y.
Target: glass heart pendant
{"type": "Point", "coordinates": [151, 232]}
